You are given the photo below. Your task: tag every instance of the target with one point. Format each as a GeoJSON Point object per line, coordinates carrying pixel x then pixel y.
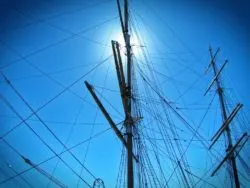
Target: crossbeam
{"type": "Point", "coordinates": [107, 116]}
{"type": "Point", "coordinates": [226, 124]}
{"type": "Point", "coordinates": [213, 58]}
{"type": "Point", "coordinates": [241, 146]}
{"type": "Point", "coordinates": [229, 154]}
{"type": "Point", "coordinates": [215, 78]}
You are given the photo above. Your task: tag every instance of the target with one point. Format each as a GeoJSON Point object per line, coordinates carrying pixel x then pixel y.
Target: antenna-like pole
{"type": "Point", "coordinates": [225, 117]}
{"type": "Point", "coordinates": [126, 93]}
{"type": "Point", "coordinates": [129, 120]}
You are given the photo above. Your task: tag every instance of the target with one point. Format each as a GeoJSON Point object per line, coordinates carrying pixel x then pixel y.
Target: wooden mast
{"type": "Point", "coordinates": [125, 85]}
{"type": "Point", "coordinates": [231, 154]}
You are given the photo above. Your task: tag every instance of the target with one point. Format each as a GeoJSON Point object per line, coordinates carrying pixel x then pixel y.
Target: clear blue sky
{"type": "Point", "coordinates": [46, 45]}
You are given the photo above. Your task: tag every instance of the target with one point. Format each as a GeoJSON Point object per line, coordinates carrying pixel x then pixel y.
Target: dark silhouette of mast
{"type": "Point", "coordinates": [227, 119]}
{"type": "Point", "coordinates": [125, 85]}
{"type": "Point", "coordinates": [227, 129]}
{"type": "Point", "coordinates": [129, 120]}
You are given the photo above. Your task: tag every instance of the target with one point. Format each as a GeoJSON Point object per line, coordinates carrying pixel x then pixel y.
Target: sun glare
{"type": "Point", "coordinates": [135, 44]}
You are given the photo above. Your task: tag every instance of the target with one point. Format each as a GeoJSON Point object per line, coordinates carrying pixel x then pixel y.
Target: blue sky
{"type": "Point", "coordinates": [46, 45]}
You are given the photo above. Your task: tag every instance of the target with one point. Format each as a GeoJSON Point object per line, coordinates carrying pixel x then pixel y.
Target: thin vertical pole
{"type": "Point", "coordinates": [129, 123]}
{"type": "Point", "coordinates": [129, 120]}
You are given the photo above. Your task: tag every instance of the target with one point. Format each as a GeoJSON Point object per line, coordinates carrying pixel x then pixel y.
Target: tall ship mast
{"type": "Point", "coordinates": [152, 142]}
{"type": "Point", "coordinates": [126, 92]}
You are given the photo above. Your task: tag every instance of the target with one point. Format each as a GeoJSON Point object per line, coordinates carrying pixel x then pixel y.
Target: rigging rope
{"type": "Point", "coordinates": [55, 97]}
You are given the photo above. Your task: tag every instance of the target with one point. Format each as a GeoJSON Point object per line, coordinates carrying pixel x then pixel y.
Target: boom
{"type": "Point", "coordinates": [43, 172]}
